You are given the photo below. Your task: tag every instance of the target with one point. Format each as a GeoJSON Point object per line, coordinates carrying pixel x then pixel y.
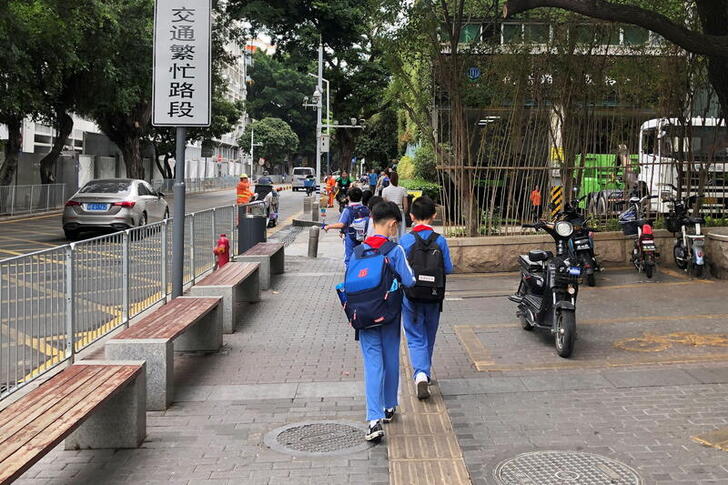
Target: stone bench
{"type": "Point", "coordinates": [91, 404]}
{"type": "Point", "coordinates": [271, 258]}
{"type": "Point", "coordinates": [185, 323]}
{"type": "Point", "coordinates": [235, 283]}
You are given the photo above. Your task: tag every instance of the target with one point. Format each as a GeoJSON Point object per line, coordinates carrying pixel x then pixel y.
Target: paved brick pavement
{"type": "Point", "coordinates": [293, 359]}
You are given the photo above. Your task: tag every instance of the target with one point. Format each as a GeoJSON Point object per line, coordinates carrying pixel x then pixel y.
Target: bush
{"type": "Point", "coordinates": [406, 168]}
{"type": "Point", "coordinates": [430, 189]}
{"type": "Point", "coordinates": [424, 163]}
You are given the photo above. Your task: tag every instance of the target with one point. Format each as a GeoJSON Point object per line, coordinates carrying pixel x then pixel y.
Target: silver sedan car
{"type": "Point", "coordinates": [112, 205]}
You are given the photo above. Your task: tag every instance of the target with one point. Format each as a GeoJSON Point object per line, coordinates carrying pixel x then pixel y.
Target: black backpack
{"type": "Point", "coordinates": [427, 263]}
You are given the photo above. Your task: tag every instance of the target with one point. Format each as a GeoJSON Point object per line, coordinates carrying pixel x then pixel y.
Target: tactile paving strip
{"type": "Point", "coordinates": [564, 467]}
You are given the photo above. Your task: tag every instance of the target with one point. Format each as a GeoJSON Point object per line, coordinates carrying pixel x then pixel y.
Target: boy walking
{"type": "Point", "coordinates": [373, 283]}
{"type": "Point", "coordinates": [429, 257]}
{"type": "Point", "coordinates": [354, 221]}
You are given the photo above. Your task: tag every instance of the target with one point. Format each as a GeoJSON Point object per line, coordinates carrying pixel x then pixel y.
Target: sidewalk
{"type": "Point", "coordinates": [505, 408]}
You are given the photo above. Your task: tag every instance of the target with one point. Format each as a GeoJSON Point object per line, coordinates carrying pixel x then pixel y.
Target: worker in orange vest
{"type": "Point", "coordinates": [330, 189]}
{"type": "Point", "coordinates": [243, 190]}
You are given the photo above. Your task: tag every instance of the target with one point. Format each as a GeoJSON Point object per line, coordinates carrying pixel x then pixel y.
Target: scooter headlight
{"type": "Point", "coordinates": [564, 229]}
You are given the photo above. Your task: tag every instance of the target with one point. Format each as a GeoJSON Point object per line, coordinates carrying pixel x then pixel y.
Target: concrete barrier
{"type": "Point", "coordinates": [500, 253]}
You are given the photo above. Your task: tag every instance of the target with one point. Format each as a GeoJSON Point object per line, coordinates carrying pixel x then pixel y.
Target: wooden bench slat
{"type": "Point", "coordinates": [31, 399]}
{"type": "Point", "coordinates": [47, 398]}
{"type": "Point", "coordinates": [264, 249]}
{"type": "Point", "coordinates": [54, 426]}
{"type": "Point", "coordinates": [229, 275]}
{"type": "Point", "coordinates": [26, 431]}
{"type": "Point", "coordinates": [172, 319]}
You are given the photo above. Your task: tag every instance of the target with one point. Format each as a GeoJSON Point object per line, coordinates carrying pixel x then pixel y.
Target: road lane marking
{"type": "Point", "coordinates": [34, 218]}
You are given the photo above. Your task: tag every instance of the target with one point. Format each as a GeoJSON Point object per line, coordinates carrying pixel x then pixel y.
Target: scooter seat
{"type": "Point", "coordinates": [696, 220]}
{"type": "Point", "coordinates": [529, 265]}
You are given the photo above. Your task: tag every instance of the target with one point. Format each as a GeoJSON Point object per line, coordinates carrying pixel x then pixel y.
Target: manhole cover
{"type": "Point", "coordinates": [318, 438]}
{"type": "Point", "coordinates": [564, 467]}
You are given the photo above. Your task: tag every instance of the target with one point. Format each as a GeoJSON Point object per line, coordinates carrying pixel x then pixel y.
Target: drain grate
{"type": "Point", "coordinates": [317, 438]}
{"type": "Point", "coordinates": [564, 467]}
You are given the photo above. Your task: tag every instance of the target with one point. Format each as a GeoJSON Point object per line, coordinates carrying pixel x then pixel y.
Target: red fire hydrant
{"type": "Point", "coordinates": [222, 251]}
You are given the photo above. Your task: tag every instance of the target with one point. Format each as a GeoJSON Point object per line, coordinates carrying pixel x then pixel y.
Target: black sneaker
{"type": "Point", "coordinates": [375, 432]}
{"type": "Point", "coordinates": [389, 414]}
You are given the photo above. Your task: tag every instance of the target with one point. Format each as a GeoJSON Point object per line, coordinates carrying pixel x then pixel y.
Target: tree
{"type": "Point", "coordinates": [275, 135]}
{"type": "Point", "coordinates": [378, 142]}
{"type": "Point", "coordinates": [277, 91]}
{"type": "Point", "coordinates": [711, 40]}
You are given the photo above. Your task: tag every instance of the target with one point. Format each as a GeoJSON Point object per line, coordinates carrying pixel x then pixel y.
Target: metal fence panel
{"type": "Point", "coordinates": [56, 302]}
{"type": "Point", "coordinates": [32, 316]}
{"type": "Point", "coordinates": [28, 199]}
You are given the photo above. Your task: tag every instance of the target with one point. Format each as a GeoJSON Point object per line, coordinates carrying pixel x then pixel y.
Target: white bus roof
{"type": "Point", "coordinates": [674, 121]}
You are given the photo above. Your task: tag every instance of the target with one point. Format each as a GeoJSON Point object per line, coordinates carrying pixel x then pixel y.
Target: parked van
{"type": "Point", "coordinates": [299, 175]}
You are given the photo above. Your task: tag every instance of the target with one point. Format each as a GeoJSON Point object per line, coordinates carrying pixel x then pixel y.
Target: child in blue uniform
{"type": "Point", "coordinates": [420, 320]}
{"type": "Point", "coordinates": [354, 210]}
{"type": "Point", "coordinates": [380, 345]}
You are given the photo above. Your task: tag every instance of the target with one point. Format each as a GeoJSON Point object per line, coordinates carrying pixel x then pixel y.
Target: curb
{"type": "Point", "coordinates": [305, 223]}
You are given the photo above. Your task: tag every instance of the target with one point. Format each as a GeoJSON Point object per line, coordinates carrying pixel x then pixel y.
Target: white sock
{"type": "Point", "coordinates": [421, 376]}
{"type": "Point", "coordinates": [373, 422]}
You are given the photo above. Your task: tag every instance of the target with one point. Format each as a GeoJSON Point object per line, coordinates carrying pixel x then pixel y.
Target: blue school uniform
{"type": "Point", "coordinates": [421, 320]}
{"type": "Point", "coordinates": [347, 218]}
{"type": "Point", "coordinates": [380, 345]}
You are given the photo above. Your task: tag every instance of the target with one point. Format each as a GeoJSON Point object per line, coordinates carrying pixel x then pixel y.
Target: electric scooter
{"type": "Point", "coordinates": [548, 288]}
{"type": "Point", "coordinates": [688, 251]}
{"type": "Point", "coordinates": [581, 243]}
{"type": "Point", "coordinates": [644, 253]}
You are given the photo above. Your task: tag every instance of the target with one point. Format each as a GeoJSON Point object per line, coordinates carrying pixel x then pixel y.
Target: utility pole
{"type": "Point", "coordinates": [319, 90]}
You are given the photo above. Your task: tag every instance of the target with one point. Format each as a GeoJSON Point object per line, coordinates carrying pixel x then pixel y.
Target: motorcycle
{"type": "Point", "coordinates": [548, 288]}
{"type": "Point", "coordinates": [268, 195]}
{"type": "Point", "coordinates": [688, 251]}
{"type": "Point", "coordinates": [581, 243]}
{"type": "Point", "coordinates": [644, 253]}
{"type": "Point", "coordinates": [342, 198]}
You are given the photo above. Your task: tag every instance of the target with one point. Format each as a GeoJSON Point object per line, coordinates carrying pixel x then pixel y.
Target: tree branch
{"type": "Point", "coordinates": [690, 40]}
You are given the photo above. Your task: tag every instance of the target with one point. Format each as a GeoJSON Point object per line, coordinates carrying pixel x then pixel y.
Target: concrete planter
{"type": "Point", "coordinates": [500, 253]}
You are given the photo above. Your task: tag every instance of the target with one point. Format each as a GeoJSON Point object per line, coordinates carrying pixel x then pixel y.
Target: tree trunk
{"type": "Point", "coordinates": [12, 151]}
{"type": "Point", "coordinates": [131, 149]}
{"type": "Point", "coordinates": [347, 150]}
{"type": "Point", "coordinates": [64, 127]}
{"type": "Point", "coordinates": [713, 16]}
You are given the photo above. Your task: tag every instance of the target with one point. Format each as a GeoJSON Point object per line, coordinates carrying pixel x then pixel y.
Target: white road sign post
{"type": "Point", "coordinates": [181, 93]}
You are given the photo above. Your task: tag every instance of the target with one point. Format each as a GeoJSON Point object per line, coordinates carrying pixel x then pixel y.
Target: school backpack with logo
{"type": "Point", "coordinates": [360, 222]}
{"type": "Point", "coordinates": [371, 294]}
{"type": "Point", "coordinates": [427, 263]}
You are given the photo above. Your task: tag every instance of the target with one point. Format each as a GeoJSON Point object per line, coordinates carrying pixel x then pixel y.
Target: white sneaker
{"type": "Point", "coordinates": [422, 383]}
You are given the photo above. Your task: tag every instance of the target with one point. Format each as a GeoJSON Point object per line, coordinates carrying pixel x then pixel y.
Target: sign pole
{"type": "Point", "coordinates": [178, 234]}
{"type": "Point", "coordinates": [182, 93]}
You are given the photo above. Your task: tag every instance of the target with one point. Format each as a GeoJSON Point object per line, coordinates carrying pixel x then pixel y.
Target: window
{"type": "Point", "coordinates": [582, 34]}
{"type": "Point", "coordinates": [649, 137]}
{"type": "Point", "coordinates": [142, 190]}
{"type": "Point", "coordinates": [536, 33]}
{"type": "Point", "coordinates": [512, 33]}
{"type": "Point", "coordinates": [106, 187]}
{"type": "Point", "coordinates": [635, 35]}
{"type": "Point", "coordinates": [469, 33]}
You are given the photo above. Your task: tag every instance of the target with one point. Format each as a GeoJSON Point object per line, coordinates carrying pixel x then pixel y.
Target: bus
{"type": "Point", "coordinates": [672, 157]}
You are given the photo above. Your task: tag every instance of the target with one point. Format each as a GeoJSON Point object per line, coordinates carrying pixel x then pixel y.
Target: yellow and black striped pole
{"type": "Point", "coordinates": [557, 200]}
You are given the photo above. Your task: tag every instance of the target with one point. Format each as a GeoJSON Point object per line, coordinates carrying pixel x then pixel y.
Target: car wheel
{"type": "Point", "coordinates": [166, 214]}
{"type": "Point", "coordinates": [70, 235]}
{"type": "Point", "coordinates": [143, 219]}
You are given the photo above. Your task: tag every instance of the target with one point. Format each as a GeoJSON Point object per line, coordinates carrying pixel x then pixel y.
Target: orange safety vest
{"type": "Point", "coordinates": [244, 193]}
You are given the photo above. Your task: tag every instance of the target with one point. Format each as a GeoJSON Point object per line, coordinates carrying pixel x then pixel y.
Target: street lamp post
{"type": "Point", "coordinates": [328, 119]}
{"type": "Point", "coordinates": [252, 145]}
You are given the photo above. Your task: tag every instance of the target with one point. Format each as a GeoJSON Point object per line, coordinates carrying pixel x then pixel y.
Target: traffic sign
{"type": "Point", "coordinates": [474, 73]}
{"type": "Point", "coordinates": [325, 143]}
{"type": "Point", "coordinates": [181, 82]}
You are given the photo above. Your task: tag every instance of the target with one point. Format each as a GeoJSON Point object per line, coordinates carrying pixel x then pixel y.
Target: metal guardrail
{"type": "Point", "coordinates": [28, 199]}
{"type": "Point", "coordinates": [197, 185]}
{"type": "Point", "coordinates": [56, 302]}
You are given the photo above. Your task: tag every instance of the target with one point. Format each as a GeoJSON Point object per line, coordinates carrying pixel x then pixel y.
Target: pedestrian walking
{"type": "Point", "coordinates": [373, 303]}
{"type": "Point", "coordinates": [536, 201]}
{"type": "Point", "coordinates": [382, 182]}
{"type": "Point", "coordinates": [353, 222]}
{"type": "Point", "coordinates": [429, 257]}
{"type": "Point", "coordinates": [374, 200]}
{"type": "Point", "coordinates": [330, 190]}
{"type": "Point", "coordinates": [373, 178]}
{"type": "Point", "coordinates": [398, 195]}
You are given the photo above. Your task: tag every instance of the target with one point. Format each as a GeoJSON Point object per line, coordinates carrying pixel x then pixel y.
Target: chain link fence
{"type": "Point", "coordinates": [55, 303]}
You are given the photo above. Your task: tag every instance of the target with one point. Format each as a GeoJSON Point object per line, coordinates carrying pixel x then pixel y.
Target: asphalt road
{"type": "Point", "coordinates": [35, 233]}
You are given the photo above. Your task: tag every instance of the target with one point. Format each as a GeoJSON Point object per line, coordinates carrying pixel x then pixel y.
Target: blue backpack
{"type": "Point", "coordinates": [371, 294]}
{"type": "Point", "coordinates": [359, 224]}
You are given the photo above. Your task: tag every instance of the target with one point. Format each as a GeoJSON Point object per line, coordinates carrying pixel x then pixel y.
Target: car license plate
{"type": "Point", "coordinates": [648, 247]}
{"type": "Point", "coordinates": [97, 207]}
{"type": "Point", "coordinates": [582, 247]}
{"type": "Point", "coordinates": [574, 271]}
